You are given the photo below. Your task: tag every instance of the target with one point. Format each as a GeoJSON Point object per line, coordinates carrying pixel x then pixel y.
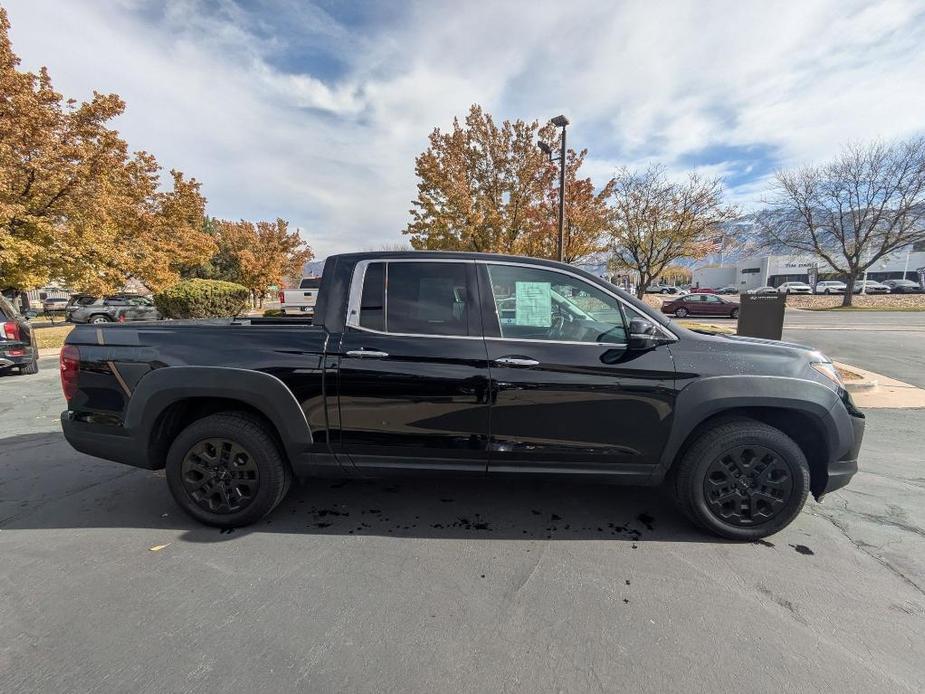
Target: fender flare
{"type": "Point", "coordinates": [163, 387]}
{"type": "Point", "coordinates": [711, 396]}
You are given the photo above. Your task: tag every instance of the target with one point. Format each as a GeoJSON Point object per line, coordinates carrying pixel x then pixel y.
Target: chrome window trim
{"type": "Point", "coordinates": [557, 342]}
{"type": "Point", "coordinates": [359, 276]}
{"type": "Point", "coordinates": [668, 334]}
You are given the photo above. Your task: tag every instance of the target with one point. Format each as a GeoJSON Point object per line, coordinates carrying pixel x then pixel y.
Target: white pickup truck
{"type": "Point", "coordinates": [301, 301]}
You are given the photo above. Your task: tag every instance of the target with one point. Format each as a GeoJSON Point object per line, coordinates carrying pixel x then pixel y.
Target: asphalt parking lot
{"type": "Point", "coordinates": [448, 586]}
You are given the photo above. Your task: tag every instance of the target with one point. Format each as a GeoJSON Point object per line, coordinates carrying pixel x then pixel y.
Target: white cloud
{"type": "Point", "coordinates": [334, 155]}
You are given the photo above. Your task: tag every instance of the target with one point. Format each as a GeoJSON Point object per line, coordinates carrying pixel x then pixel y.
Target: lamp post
{"type": "Point", "coordinates": [559, 122]}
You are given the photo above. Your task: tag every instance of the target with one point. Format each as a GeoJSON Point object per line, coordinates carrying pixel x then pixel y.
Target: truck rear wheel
{"type": "Point", "coordinates": [226, 470]}
{"type": "Point", "coordinates": [742, 480]}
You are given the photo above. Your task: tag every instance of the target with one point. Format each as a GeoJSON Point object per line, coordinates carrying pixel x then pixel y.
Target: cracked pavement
{"type": "Point", "coordinates": [447, 586]}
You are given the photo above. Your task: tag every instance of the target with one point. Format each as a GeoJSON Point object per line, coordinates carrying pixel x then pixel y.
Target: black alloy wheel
{"type": "Point", "coordinates": [227, 469]}
{"type": "Point", "coordinates": [741, 479]}
{"type": "Point", "coordinates": [220, 475]}
{"type": "Point", "coordinates": [734, 313]}
{"type": "Point", "coordinates": [747, 485]}
{"type": "Point", "coordinates": [681, 312]}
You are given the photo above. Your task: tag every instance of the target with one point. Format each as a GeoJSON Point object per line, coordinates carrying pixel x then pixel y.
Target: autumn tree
{"type": "Point", "coordinates": [853, 210]}
{"type": "Point", "coordinates": [657, 221]}
{"type": "Point", "coordinates": [587, 215]}
{"type": "Point", "coordinates": [259, 255]}
{"type": "Point", "coordinates": [74, 204]}
{"type": "Point", "coordinates": [488, 187]}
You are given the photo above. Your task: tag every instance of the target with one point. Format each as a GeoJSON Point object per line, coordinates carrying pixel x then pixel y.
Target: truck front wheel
{"type": "Point", "coordinates": [226, 470]}
{"type": "Point", "coordinates": [742, 480]}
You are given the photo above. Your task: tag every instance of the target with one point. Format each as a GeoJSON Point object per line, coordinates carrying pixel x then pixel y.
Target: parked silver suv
{"type": "Point", "coordinates": [115, 308]}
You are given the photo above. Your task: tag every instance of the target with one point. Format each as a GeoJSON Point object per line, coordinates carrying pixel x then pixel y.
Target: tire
{"type": "Point", "coordinates": [828, 291]}
{"type": "Point", "coordinates": [99, 318]}
{"type": "Point", "coordinates": [681, 312]}
{"type": "Point", "coordinates": [734, 313]}
{"type": "Point", "coordinates": [718, 460]}
{"type": "Point", "coordinates": [32, 367]}
{"type": "Point", "coordinates": [201, 485]}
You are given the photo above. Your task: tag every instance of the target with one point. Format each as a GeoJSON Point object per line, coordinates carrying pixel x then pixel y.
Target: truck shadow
{"type": "Point", "coordinates": [45, 484]}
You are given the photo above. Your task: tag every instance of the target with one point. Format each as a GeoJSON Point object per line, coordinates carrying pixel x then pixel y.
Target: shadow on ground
{"type": "Point", "coordinates": [45, 484]}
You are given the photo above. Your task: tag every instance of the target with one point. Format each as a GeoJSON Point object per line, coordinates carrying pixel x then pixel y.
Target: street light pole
{"type": "Point", "coordinates": [559, 122]}
{"type": "Point", "coordinates": [562, 193]}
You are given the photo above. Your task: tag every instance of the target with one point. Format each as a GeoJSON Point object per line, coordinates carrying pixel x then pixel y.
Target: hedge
{"type": "Point", "coordinates": [202, 299]}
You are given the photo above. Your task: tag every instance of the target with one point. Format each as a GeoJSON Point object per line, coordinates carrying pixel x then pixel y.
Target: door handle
{"type": "Point", "coordinates": [516, 361]}
{"type": "Point", "coordinates": [367, 354]}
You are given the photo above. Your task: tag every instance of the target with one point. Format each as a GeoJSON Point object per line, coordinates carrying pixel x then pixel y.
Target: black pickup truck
{"type": "Point", "coordinates": [464, 363]}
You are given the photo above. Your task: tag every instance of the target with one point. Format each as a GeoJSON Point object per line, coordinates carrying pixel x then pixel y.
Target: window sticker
{"type": "Point", "coordinates": [533, 304]}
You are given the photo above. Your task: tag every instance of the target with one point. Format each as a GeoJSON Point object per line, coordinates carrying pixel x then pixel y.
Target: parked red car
{"type": "Point", "coordinates": [701, 305]}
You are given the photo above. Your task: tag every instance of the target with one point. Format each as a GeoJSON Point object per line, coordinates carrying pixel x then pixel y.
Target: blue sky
{"type": "Point", "coordinates": [314, 111]}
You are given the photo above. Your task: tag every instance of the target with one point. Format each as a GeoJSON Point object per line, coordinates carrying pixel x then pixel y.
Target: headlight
{"type": "Point", "coordinates": [827, 369]}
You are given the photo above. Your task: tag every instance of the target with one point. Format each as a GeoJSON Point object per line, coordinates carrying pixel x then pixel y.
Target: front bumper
{"type": "Point", "coordinates": [839, 472]}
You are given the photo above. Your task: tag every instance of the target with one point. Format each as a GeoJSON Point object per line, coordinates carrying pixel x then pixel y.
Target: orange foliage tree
{"type": "Point", "coordinates": [259, 255]}
{"type": "Point", "coordinates": [75, 205]}
{"type": "Point", "coordinates": [487, 187]}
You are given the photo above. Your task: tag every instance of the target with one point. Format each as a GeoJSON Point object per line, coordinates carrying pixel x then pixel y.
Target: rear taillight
{"type": "Point", "coordinates": [282, 296]}
{"type": "Point", "coordinates": [70, 366]}
{"type": "Point", "coordinates": [11, 331]}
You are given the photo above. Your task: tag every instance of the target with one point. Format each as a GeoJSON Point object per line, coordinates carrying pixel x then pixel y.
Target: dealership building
{"type": "Point", "coordinates": [774, 270]}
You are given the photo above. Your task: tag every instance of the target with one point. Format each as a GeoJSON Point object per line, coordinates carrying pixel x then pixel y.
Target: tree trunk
{"type": "Point", "coordinates": [644, 281]}
{"type": "Point", "coordinates": [849, 290]}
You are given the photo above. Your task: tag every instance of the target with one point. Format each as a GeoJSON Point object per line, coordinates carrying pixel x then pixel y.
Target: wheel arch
{"type": "Point", "coordinates": [168, 400]}
{"type": "Point", "coordinates": [801, 409]}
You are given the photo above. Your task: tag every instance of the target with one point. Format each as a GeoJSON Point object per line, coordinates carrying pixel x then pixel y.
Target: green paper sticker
{"type": "Point", "coordinates": [534, 304]}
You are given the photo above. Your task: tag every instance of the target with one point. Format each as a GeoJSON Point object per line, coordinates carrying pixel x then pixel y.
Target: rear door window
{"type": "Point", "coordinates": [416, 298]}
{"type": "Point", "coordinates": [424, 298]}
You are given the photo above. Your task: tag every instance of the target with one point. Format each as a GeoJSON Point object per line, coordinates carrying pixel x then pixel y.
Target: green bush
{"type": "Point", "coordinates": [270, 312]}
{"type": "Point", "coordinates": [202, 299]}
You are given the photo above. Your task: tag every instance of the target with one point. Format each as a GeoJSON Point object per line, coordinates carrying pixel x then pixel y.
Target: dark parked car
{"type": "Point", "coordinates": [728, 290]}
{"type": "Point", "coordinates": [115, 308]}
{"type": "Point", "coordinates": [902, 286]}
{"type": "Point", "coordinates": [17, 340]}
{"type": "Point", "coordinates": [701, 305]}
{"type": "Point", "coordinates": [464, 364]}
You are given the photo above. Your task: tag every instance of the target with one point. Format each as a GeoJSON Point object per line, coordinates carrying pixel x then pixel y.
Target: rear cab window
{"type": "Point", "coordinates": [417, 298]}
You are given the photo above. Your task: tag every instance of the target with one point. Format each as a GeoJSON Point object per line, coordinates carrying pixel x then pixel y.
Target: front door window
{"type": "Point", "coordinates": [537, 304]}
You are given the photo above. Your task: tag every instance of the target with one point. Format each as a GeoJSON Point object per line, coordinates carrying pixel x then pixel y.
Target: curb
{"type": "Point", "coordinates": [49, 352]}
{"type": "Point", "coordinates": [877, 390]}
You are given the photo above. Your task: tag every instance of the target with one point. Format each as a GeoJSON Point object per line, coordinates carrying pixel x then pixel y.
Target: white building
{"type": "Point", "coordinates": [774, 270]}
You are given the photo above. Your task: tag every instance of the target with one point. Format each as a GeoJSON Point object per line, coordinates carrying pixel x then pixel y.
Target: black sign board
{"type": "Point", "coordinates": [762, 315]}
{"type": "Point", "coordinates": [813, 274]}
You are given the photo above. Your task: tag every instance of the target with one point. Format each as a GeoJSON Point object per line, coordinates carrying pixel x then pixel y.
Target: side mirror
{"type": "Point", "coordinates": [30, 313]}
{"type": "Point", "coordinates": [644, 334]}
